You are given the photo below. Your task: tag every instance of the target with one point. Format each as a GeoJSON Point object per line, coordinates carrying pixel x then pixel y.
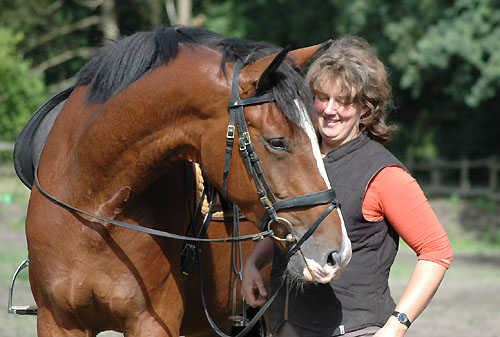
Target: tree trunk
{"type": "Point", "coordinates": [182, 15]}
{"type": "Point", "coordinates": [185, 11]}
{"type": "Point", "coordinates": [109, 22]}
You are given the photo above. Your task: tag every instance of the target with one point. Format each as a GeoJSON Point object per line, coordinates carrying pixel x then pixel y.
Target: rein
{"type": "Point", "coordinates": [191, 253]}
{"type": "Point", "coordinates": [251, 237]}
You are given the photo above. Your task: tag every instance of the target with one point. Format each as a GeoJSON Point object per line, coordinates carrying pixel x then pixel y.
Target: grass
{"type": "Point", "coordinates": [12, 190]}
{"type": "Point", "coordinates": [14, 198]}
{"type": "Point", "coordinates": [477, 263]}
{"type": "Point", "coordinates": [11, 255]}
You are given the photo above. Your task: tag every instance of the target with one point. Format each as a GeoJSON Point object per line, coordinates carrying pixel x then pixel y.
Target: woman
{"type": "Point", "coordinates": [380, 201]}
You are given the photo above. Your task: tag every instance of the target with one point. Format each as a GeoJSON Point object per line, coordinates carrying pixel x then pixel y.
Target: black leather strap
{"type": "Point", "coordinates": [305, 200]}
{"type": "Point", "coordinates": [310, 231]}
{"type": "Point", "coordinates": [230, 134]}
{"type": "Point", "coordinates": [252, 237]}
{"type": "Point", "coordinates": [311, 199]}
{"type": "Point", "coordinates": [241, 102]}
{"type": "Point", "coordinates": [254, 320]}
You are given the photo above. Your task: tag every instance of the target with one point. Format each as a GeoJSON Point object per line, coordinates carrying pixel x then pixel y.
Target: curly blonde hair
{"type": "Point", "coordinates": [351, 63]}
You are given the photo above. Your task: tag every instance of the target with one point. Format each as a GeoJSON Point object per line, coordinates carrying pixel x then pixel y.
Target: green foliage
{"type": "Point", "coordinates": [464, 39]}
{"type": "Point", "coordinates": [447, 62]}
{"type": "Point", "coordinates": [20, 90]}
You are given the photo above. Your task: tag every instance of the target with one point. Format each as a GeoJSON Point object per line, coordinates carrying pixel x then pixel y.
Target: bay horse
{"type": "Point", "coordinates": [137, 109]}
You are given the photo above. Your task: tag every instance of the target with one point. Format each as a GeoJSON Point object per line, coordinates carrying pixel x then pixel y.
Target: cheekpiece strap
{"type": "Point", "coordinates": [241, 102]}
{"type": "Point", "coordinates": [311, 199]}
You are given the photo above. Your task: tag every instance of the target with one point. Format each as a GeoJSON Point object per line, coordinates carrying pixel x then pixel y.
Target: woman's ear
{"type": "Point", "coordinates": [364, 110]}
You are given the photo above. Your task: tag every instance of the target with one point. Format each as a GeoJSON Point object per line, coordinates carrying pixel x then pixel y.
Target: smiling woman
{"type": "Point", "coordinates": [380, 200]}
{"type": "Point", "coordinates": [339, 114]}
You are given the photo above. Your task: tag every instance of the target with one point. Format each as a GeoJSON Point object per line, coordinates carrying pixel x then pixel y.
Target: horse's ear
{"type": "Point", "coordinates": [301, 57]}
{"type": "Point", "coordinates": [265, 80]}
{"type": "Point", "coordinates": [264, 67]}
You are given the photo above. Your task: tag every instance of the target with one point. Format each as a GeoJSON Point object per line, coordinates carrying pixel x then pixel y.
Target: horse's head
{"type": "Point", "coordinates": [270, 100]}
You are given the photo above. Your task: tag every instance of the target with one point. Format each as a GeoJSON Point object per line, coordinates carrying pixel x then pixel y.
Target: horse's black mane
{"type": "Point", "coordinates": [122, 63]}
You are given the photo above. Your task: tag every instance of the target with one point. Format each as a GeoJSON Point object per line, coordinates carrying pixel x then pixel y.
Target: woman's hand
{"type": "Point", "coordinates": [252, 285]}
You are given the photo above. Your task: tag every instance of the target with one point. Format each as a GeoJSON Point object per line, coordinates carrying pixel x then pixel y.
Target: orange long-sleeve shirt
{"type": "Point", "coordinates": [394, 194]}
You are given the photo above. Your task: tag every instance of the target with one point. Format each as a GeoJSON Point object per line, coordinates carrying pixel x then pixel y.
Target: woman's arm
{"type": "Point", "coordinates": [394, 194]}
{"type": "Point", "coordinates": [422, 286]}
{"type": "Point", "coordinates": [252, 285]}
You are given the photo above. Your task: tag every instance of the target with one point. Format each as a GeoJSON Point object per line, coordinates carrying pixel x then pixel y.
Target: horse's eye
{"type": "Point", "coordinates": [278, 144]}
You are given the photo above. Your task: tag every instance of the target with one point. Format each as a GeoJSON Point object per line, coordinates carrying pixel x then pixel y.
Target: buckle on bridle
{"type": "Point", "coordinates": [267, 204]}
{"type": "Point", "coordinates": [246, 138]}
{"type": "Point", "coordinates": [230, 132]}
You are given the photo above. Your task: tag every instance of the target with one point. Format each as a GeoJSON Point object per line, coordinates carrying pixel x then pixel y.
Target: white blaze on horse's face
{"type": "Point", "coordinates": [314, 271]}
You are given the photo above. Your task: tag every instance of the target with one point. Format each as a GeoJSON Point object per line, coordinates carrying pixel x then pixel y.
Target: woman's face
{"type": "Point", "coordinates": [338, 119]}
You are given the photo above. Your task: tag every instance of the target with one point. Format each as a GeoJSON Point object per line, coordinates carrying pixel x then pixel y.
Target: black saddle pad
{"type": "Point", "coordinates": [31, 140]}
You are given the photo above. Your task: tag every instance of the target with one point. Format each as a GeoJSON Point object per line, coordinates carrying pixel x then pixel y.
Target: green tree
{"type": "Point", "coordinates": [21, 91]}
{"type": "Point", "coordinates": [449, 74]}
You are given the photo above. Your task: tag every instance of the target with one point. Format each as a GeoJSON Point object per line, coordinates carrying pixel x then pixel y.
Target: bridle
{"type": "Point", "coordinates": [252, 163]}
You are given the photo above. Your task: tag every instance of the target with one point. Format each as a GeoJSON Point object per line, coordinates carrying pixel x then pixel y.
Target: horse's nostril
{"type": "Point", "coordinates": [330, 260]}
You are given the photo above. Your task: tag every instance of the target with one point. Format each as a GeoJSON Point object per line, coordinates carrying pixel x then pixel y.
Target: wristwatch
{"type": "Point", "coordinates": [402, 318]}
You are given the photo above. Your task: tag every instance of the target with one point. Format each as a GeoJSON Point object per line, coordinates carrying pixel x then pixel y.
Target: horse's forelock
{"type": "Point", "coordinates": [291, 89]}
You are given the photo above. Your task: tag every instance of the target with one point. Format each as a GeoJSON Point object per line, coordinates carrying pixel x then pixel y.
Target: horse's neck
{"type": "Point", "coordinates": [158, 119]}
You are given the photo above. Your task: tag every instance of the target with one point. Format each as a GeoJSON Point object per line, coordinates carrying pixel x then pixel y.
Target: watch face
{"type": "Point", "coordinates": [402, 317]}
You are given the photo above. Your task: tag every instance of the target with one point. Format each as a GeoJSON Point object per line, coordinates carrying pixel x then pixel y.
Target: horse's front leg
{"type": "Point", "coordinates": [63, 326]}
{"type": "Point", "coordinates": [162, 319]}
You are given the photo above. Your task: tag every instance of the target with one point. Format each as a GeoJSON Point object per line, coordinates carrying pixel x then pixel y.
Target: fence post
{"type": "Point", "coordinates": [464, 175]}
{"type": "Point", "coordinates": [435, 175]}
{"type": "Point", "coordinates": [493, 168]}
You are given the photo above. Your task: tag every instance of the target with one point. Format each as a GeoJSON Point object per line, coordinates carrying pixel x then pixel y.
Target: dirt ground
{"type": "Point", "coordinates": [466, 304]}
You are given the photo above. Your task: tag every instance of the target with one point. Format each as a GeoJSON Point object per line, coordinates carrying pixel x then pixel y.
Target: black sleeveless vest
{"type": "Point", "coordinates": [360, 296]}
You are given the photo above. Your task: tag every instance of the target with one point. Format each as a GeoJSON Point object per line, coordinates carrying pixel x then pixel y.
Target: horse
{"type": "Point", "coordinates": [137, 110]}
